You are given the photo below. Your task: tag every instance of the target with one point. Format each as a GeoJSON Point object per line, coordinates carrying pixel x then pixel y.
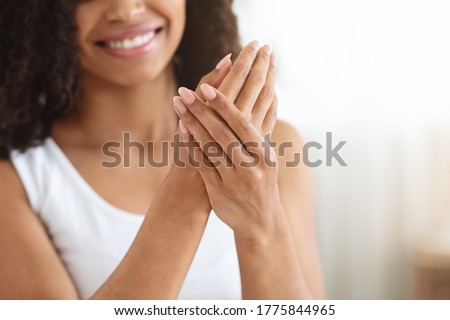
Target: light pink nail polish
{"type": "Point", "coordinates": [184, 131]}
{"type": "Point", "coordinates": [208, 91]}
{"type": "Point", "coordinates": [186, 95]}
{"type": "Point", "coordinates": [267, 49]}
{"type": "Point", "coordinates": [179, 105]}
{"type": "Point", "coordinates": [224, 62]}
{"type": "Point", "coordinates": [255, 44]}
{"type": "Point", "coordinates": [273, 59]}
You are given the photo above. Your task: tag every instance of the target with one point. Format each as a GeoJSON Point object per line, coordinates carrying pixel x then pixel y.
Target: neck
{"type": "Point", "coordinates": [106, 111]}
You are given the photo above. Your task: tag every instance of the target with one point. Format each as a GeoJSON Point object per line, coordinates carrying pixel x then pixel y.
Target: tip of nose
{"type": "Point", "coordinates": [125, 10]}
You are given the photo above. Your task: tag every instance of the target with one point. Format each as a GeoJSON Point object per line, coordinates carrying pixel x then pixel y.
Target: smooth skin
{"type": "Point", "coordinates": [159, 258]}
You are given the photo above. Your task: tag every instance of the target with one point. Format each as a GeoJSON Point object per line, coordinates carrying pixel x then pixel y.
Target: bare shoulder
{"type": "Point", "coordinates": [11, 188]}
{"type": "Point", "coordinates": [288, 145]}
{"type": "Point", "coordinates": [30, 267]}
{"type": "Point", "coordinates": [285, 132]}
{"type": "Point", "coordinates": [295, 179]}
{"type": "Point", "coordinates": [283, 128]}
{"type": "Point", "coordinates": [297, 193]}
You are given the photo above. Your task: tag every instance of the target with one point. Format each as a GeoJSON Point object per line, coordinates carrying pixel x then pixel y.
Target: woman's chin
{"type": "Point", "coordinates": [134, 80]}
{"type": "Point", "coordinates": [120, 78]}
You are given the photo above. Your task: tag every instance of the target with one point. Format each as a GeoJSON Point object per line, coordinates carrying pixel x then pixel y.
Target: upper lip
{"type": "Point", "coordinates": [130, 33]}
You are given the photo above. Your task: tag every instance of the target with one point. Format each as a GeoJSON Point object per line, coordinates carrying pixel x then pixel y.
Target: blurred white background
{"type": "Point", "coordinates": [377, 75]}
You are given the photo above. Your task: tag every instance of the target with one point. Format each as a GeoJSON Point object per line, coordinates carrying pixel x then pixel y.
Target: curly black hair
{"type": "Point", "coordinates": [39, 65]}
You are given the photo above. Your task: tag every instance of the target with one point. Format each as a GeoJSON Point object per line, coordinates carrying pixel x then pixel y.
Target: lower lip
{"type": "Point", "coordinates": [134, 52]}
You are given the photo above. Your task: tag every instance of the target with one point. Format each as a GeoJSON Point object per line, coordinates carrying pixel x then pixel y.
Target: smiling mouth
{"type": "Point", "coordinates": [130, 43]}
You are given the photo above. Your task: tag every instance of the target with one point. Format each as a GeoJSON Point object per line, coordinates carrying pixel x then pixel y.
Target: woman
{"type": "Point", "coordinates": [76, 75]}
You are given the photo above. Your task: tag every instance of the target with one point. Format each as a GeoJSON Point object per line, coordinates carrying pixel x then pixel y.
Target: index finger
{"type": "Point", "coordinates": [235, 80]}
{"type": "Point", "coordinates": [215, 77]}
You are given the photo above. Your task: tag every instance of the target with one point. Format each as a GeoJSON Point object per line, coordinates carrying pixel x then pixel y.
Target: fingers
{"type": "Point", "coordinates": [208, 145]}
{"type": "Point", "coordinates": [256, 81]}
{"type": "Point", "coordinates": [270, 118]}
{"type": "Point", "coordinates": [206, 119]}
{"type": "Point", "coordinates": [266, 96]}
{"type": "Point", "coordinates": [234, 81]}
{"type": "Point", "coordinates": [236, 120]}
{"type": "Point", "coordinates": [209, 174]}
{"type": "Point", "coordinates": [216, 77]}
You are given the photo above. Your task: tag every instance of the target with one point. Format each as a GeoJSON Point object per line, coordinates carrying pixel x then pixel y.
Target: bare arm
{"type": "Point", "coordinates": [273, 224]}
{"type": "Point", "coordinates": [155, 265]}
{"type": "Point", "coordinates": [29, 265]}
{"type": "Point", "coordinates": [170, 235]}
{"type": "Point", "coordinates": [284, 262]}
{"type": "Point", "coordinates": [157, 262]}
{"type": "Point", "coordinates": [296, 188]}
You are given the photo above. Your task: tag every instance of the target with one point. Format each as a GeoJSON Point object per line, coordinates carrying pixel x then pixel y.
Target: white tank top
{"type": "Point", "coordinates": [92, 236]}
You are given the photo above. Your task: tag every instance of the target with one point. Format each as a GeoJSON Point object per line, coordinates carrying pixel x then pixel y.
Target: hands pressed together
{"type": "Point", "coordinates": [228, 124]}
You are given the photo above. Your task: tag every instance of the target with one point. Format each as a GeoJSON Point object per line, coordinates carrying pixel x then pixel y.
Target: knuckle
{"type": "Point", "coordinates": [223, 134]}
{"type": "Point", "coordinates": [241, 69]}
{"type": "Point", "coordinates": [220, 103]}
{"type": "Point", "coordinates": [243, 124]}
{"type": "Point", "coordinates": [257, 176]}
{"type": "Point", "coordinates": [259, 77]}
{"type": "Point", "coordinates": [199, 109]}
{"type": "Point", "coordinates": [189, 119]}
{"type": "Point", "coordinates": [268, 92]}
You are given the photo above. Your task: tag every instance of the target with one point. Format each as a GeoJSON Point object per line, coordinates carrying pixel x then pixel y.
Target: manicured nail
{"type": "Point", "coordinates": [184, 131]}
{"type": "Point", "coordinates": [186, 95]}
{"type": "Point", "coordinates": [267, 49]}
{"type": "Point", "coordinates": [255, 44]}
{"type": "Point", "coordinates": [208, 92]}
{"type": "Point", "coordinates": [179, 105]}
{"type": "Point", "coordinates": [224, 61]}
{"type": "Point", "coordinates": [273, 59]}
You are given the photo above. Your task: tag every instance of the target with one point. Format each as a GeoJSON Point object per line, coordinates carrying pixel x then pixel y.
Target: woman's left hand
{"type": "Point", "coordinates": [238, 167]}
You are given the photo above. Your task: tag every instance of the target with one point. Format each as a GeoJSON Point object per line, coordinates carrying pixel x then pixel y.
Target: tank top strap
{"type": "Point", "coordinates": [34, 168]}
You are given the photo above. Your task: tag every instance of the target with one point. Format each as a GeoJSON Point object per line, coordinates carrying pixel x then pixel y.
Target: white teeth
{"type": "Point", "coordinates": [132, 43]}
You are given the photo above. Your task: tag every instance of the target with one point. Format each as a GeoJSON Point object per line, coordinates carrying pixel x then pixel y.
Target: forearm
{"type": "Point", "coordinates": [159, 258]}
{"type": "Point", "coordinates": [269, 265]}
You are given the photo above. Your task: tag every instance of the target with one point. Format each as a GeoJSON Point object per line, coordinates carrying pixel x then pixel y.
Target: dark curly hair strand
{"type": "Point", "coordinates": [39, 67]}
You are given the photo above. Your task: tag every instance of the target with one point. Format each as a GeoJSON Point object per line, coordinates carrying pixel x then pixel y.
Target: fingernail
{"type": "Point", "coordinates": [224, 61]}
{"type": "Point", "coordinates": [184, 131]}
{"type": "Point", "coordinates": [208, 92]}
{"type": "Point", "coordinates": [255, 44]}
{"type": "Point", "coordinates": [179, 105]}
{"type": "Point", "coordinates": [267, 49]}
{"type": "Point", "coordinates": [186, 95]}
{"type": "Point", "coordinates": [273, 59]}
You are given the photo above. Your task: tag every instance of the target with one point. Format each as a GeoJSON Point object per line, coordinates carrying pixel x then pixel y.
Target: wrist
{"type": "Point", "coordinates": [272, 230]}
{"type": "Point", "coordinates": [187, 173]}
{"type": "Point", "coordinates": [189, 185]}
